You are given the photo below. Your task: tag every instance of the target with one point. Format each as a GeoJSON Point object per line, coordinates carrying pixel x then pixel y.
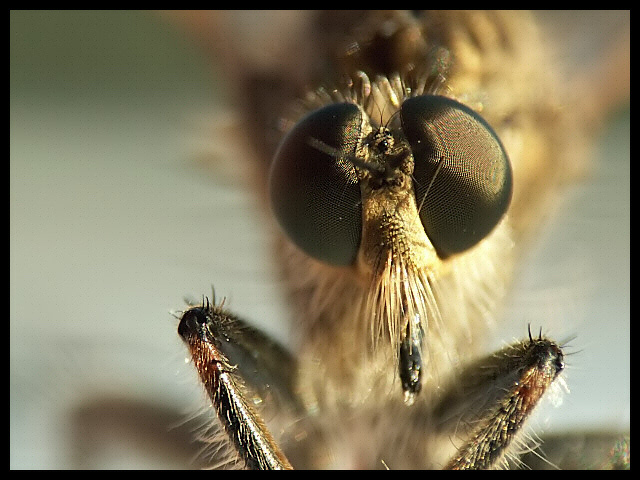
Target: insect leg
{"type": "Point", "coordinates": [493, 398]}
{"type": "Point", "coordinates": [213, 337]}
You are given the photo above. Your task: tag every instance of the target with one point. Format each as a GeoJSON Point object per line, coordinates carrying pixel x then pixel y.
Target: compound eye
{"type": "Point", "coordinates": [316, 196]}
{"type": "Point", "coordinates": [462, 175]}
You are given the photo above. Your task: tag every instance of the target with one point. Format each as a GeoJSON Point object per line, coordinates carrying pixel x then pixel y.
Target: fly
{"type": "Point", "coordinates": [402, 183]}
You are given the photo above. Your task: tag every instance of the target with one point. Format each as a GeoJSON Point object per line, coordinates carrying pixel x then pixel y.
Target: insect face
{"type": "Point", "coordinates": [392, 202]}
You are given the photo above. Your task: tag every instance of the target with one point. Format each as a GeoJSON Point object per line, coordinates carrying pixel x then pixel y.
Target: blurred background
{"type": "Point", "coordinates": [113, 221]}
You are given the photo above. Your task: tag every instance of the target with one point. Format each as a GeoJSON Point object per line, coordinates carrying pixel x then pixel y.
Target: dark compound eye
{"type": "Point", "coordinates": [462, 173]}
{"type": "Point", "coordinates": [315, 196]}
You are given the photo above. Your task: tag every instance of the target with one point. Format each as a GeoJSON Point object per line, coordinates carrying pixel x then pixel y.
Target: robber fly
{"type": "Point", "coordinates": [406, 162]}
